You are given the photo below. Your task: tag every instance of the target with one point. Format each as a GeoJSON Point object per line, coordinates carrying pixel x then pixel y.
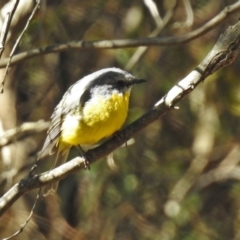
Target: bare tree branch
{"type": "Point", "coordinates": [226, 169]}
{"type": "Point", "coordinates": [189, 13]}
{"type": "Point", "coordinates": [124, 43]}
{"type": "Point", "coordinates": [6, 25]}
{"type": "Point", "coordinates": [17, 43]}
{"type": "Point", "coordinates": [25, 130]}
{"type": "Point", "coordinates": [141, 50]}
{"type": "Point", "coordinates": [223, 53]}
{"type": "Point", "coordinates": [151, 5]}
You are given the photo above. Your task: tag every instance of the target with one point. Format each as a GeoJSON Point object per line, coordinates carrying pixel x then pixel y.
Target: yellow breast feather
{"type": "Point", "coordinates": [99, 118]}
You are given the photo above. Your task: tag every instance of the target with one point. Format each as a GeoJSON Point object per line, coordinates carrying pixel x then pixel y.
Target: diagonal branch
{"type": "Point", "coordinates": [223, 53]}
{"type": "Point", "coordinates": [17, 43]}
{"type": "Point", "coordinates": [6, 25]}
{"type": "Point", "coordinates": [124, 43]}
{"type": "Point", "coordinates": [151, 5]}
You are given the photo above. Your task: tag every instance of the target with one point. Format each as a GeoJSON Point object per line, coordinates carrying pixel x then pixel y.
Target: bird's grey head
{"type": "Point", "coordinates": [104, 82]}
{"type": "Point", "coordinates": [114, 79]}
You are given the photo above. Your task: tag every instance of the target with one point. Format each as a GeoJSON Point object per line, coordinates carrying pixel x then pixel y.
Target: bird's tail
{"type": "Point", "coordinates": [59, 158]}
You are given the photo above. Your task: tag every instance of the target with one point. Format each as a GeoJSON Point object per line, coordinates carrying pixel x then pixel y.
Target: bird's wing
{"type": "Point", "coordinates": [74, 99]}
{"type": "Point", "coordinates": [54, 130]}
{"type": "Point", "coordinates": [69, 103]}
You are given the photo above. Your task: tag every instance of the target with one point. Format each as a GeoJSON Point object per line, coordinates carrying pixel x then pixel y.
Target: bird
{"type": "Point", "coordinates": [93, 108]}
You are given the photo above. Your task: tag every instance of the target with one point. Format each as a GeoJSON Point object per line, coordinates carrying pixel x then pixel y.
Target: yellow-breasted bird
{"type": "Point", "coordinates": [93, 108]}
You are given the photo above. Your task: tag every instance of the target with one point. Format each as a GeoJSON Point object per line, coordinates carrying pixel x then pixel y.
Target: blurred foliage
{"type": "Point", "coordinates": [140, 196]}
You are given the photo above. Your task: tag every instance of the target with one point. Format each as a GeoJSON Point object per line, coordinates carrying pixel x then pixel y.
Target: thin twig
{"type": "Point", "coordinates": [27, 220]}
{"type": "Point", "coordinates": [151, 5]}
{"type": "Point", "coordinates": [189, 16]}
{"type": "Point", "coordinates": [6, 25]}
{"type": "Point", "coordinates": [189, 13]}
{"type": "Point", "coordinates": [17, 43]}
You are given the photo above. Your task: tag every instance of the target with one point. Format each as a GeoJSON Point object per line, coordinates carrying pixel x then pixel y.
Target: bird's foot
{"type": "Point", "coordinates": [86, 158]}
{"type": "Point", "coordinates": [32, 170]}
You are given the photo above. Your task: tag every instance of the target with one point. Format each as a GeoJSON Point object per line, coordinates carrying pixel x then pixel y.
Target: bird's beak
{"type": "Point", "coordinates": [137, 81]}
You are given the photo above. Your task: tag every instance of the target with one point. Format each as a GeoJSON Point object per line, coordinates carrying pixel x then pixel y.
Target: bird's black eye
{"type": "Point", "coordinates": [120, 83]}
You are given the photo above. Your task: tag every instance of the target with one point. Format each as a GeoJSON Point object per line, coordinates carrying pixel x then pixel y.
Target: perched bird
{"type": "Point", "coordinates": [93, 108]}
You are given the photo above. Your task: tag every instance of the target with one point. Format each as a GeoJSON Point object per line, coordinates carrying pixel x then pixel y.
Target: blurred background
{"type": "Point", "coordinates": [180, 178]}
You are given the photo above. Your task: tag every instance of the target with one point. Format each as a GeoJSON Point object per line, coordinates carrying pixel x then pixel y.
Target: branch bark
{"type": "Point", "coordinates": [223, 53]}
